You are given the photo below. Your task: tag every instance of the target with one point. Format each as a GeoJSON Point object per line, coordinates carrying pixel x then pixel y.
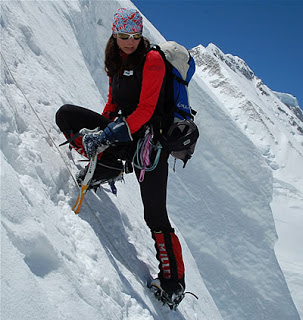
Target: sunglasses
{"type": "Point", "coordinates": [126, 36]}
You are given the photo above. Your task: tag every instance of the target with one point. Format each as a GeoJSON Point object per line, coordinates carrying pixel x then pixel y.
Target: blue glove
{"type": "Point", "coordinates": [115, 132]}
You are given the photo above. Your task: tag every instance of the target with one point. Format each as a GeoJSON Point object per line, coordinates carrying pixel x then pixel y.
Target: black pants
{"type": "Point", "coordinates": [70, 119]}
{"type": "Point", "coordinates": [153, 193]}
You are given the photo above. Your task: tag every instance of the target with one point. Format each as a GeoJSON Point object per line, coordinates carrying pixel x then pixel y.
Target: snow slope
{"type": "Point", "coordinates": [57, 265]}
{"type": "Point", "coordinates": [273, 122]}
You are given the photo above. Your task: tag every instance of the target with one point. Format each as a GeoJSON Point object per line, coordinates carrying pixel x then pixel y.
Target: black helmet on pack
{"type": "Point", "coordinates": [181, 140]}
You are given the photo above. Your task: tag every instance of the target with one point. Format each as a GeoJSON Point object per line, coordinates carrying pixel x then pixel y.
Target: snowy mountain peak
{"type": "Point", "coordinates": [235, 63]}
{"type": "Point", "coordinates": [233, 79]}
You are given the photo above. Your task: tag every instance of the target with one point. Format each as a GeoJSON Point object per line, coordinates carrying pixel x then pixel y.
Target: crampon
{"type": "Point", "coordinates": [173, 300]}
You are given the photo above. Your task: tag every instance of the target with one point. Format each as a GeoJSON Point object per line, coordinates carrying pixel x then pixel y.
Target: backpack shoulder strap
{"type": "Point", "coordinates": [164, 113]}
{"type": "Point", "coordinates": [157, 48]}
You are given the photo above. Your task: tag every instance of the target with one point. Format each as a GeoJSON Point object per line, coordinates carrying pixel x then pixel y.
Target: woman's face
{"type": "Point", "coordinates": [128, 46]}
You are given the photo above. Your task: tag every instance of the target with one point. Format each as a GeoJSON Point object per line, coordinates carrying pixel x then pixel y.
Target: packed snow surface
{"type": "Point", "coordinates": [95, 265]}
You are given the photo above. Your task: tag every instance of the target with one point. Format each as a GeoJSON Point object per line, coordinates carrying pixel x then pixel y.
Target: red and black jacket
{"type": "Point", "coordinates": [139, 94]}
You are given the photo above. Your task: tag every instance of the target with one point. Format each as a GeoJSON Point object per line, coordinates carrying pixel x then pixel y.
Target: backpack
{"type": "Point", "coordinates": [182, 134]}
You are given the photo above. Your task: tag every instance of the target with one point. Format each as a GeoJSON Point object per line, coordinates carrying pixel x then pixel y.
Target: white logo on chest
{"type": "Point", "coordinates": [128, 73]}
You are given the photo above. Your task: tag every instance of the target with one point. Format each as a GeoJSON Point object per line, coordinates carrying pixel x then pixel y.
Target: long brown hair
{"type": "Point", "coordinates": [113, 61]}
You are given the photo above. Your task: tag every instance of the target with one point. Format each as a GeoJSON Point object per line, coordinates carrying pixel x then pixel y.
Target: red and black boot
{"type": "Point", "coordinates": [170, 285]}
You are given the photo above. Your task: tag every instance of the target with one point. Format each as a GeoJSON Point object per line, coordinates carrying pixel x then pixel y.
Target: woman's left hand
{"type": "Point", "coordinates": [116, 132]}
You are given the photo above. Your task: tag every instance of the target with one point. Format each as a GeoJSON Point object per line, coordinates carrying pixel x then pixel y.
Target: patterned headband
{"type": "Point", "coordinates": [127, 21]}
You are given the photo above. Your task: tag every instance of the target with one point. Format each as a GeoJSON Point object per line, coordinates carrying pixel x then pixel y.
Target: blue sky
{"type": "Point", "coordinates": [266, 34]}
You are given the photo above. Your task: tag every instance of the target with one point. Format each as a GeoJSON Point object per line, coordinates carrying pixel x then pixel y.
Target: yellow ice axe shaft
{"type": "Point", "coordinates": [84, 187]}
